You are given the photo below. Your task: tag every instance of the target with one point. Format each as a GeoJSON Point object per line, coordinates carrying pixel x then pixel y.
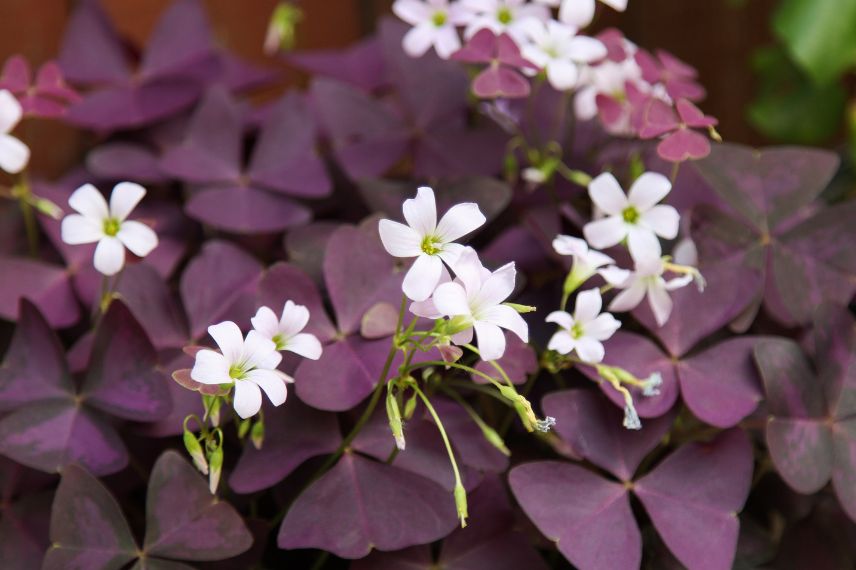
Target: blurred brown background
{"type": "Point", "coordinates": [716, 36]}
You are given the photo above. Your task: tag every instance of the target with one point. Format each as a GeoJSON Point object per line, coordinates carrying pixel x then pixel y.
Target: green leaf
{"type": "Point", "coordinates": [789, 107]}
{"type": "Point", "coordinates": [820, 34]}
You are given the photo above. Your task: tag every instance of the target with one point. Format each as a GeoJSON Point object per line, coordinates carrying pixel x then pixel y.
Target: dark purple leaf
{"type": "Point", "coordinates": [184, 520]}
{"type": "Point", "coordinates": [360, 65]}
{"type": "Point", "coordinates": [24, 532]}
{"type": "Point", "coordinates": [362, 504]}
{"type": "Point", "coordinates": [125, 161]}
{"type": "Point", "coordinates": [47, 286]}
{"type": "Point", "coordinates": [293, 434]}
{"type": "Point", "coordinates": [587, 516]}
{"type": "Point", "coordinates": [305, 246]}
{"type": "Point", "coordinates": [91, 50]}
{"type": "Point", "coordinates": [34, 368]}
{"type": "Point", "coordinates": [217, 285]}
{"type": "Point", "coordinates": [147, 296]}
{"type": "Point", "coordinates": [246, 210]}
{"type": "Point", "coordinates": [592, 427]}
{"type": "Point", "coordinates": [518, 361]}
{"type": "Point", "coordinates": [88, 529]}
{"type": "Point", "coordinates": [123, 379]}
{"type": "Point", "coordinates": [694, 495]}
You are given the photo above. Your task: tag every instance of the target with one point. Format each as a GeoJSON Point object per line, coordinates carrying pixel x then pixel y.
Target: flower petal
{"type": "Point", "coordinates": [451, 300]}
{"type": "Point", "coordinates": [77, 229]}
{"type": "Point", "coordinates": [605, 232]}
{"type": "Point", "coordinates": [399, 240]}
{"type": "Point", "coordinates": [306, 345]}
{"type": "Point", "coordinates": [468, 268]}
{"type": "Point", "coordinates": [660, 302]}
{"type": "Point", "coordinates": [10, 111]}
{"type": "Point", "coordinates": [422, 277]}
{"type": "Point", "coordinates": [421, 212]}
{"type": "Point", "coordinates": [568, 245]}
{"type": "Point", "coordinates": [643, 244]}
{"type": "Point", "coordinates": [586, 50]}
{"type": "Point", "coordinates": [109, 256]}
{"type": "Point", "coordinates": [563, 75]}
{"type": "Point", "coordinates": [491, 340]}
{"type": "Point", "coordinates": [460, 220]}
{"type": "Point", "coordinates": [463, 337]}
{"type": "Point", "coordinates": [210, 367]}
{"type": "Point", "coordinates": [561, 318]}
{"type": "Point", "coordinates": [138, 237]}
{"type": "Point", "coordinates": [588, 305]}
{"type": "Point", "coordinates": [412, 11]}
{"type": "Point", "coordinates": [497, 287]}
{"type": "Point", "coordinates": [507, 318]}
{"type": "Point", "coordinates": [615, 276]}
{"type": "Point", "coordinates": [248, 398]}
{"type": "Point", "coordinates": [589, 350]}
{"type": "Point", "coordinates": [561, 342]}
{"type": "Point", "coordinates": [628, 299]}
{"type": "Point", "coordinates": [446, 42]}
{"type": "Point", "coordinates": [603, 327]}
{"type": "Point", "coordinates": [125, 197]}
{"type": "Point", "coordinates": [294, 319]}
{"type": "Point", "coordinates": [271, 382]}
{"type": "Point", "coordinates": [88, 201]}
{"type": "Point", "coordinates": [606, 193]}
{"type": "Point", "coordinates": [663, 220]}
{"type": "Point", "coordinates": [418, 40]}
{"type": "Point", "coordinates": [260, 352]}
{"type": "Point", "coordinates": [266, 322]}
{"type": "Point", "coordinates": [229, 339]}
{"type": "Point", "coordinates": [14, 155]}
{"type": "Point", "coordinates": [648, 189]}
{"type": "Point", "coordinates": [577, 13]}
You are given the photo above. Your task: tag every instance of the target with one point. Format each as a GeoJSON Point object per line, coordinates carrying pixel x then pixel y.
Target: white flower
{"type": "Point", "coordinates": [285, 331]}
{"type": "Point", "coordinates": [502, 16]}
{"type": "Point", "coordinates": [433, 24]}
{"type": "Point", "coordinates": [428, 241]}
{"type": "Point", "coordinates": [107, 225]}
{"type": "Point", "coordinates": [585, 330]}
{"type": "Point", "coordinates": [250, 364]}
{"type": "Point", "coordinates": [14, 155]}
{"type": "Point", "coordinates": [475, 298]}
{"type": "Point", "coordinates": [646, 280]}
{"type": "Point", "coordinates": [586, 261]}
{"type": "Point", "coordinates": [636, 216]}
{"type": "Point", "coordinates": [609, 78]}
{"type": "Point", "coordinates": [580, 13]}
{"type": "Point", "coordinates": [555, 48]}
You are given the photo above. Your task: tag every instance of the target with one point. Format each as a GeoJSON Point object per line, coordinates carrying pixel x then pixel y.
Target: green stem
{"type": "Point", "coordinates": [455, 365]}
{"type": "Point", "coordinates": [31, 227]}
{"type": "Point", "coordinates": [442, 430]}
{"type": "Point", "coordinates": [493, 363]}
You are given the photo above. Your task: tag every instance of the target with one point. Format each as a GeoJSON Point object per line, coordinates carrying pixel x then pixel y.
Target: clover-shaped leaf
{"type": "Point", "coordinates": [46, 285]}
{"type": "Point", "coordinates": [183, 522]}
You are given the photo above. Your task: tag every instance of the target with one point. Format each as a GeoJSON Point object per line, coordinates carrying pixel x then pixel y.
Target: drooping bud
{"type": "Point", "coordinates": [522, 309]}
{"type": "Point", "coordinates": [257, 434]}
{"type": "Point", "coordinates": [393, 413]}
{"type": "Point", "coordinates": [243, 428]}
{"type": "Point", "coordinates": [47, 208]}
{"type": "Point", "coordinates": [494, 438]}
{"type": "Point", "coordinates": [215, 461]}
{"type": "Point", "coordinates": [461, 503]}
{"type": "Point", "coordinates": [282, 28]}
{"type": "Point", "coordinates": [195, 450]}
{"type": "Point", "coordinates": [450, 353]}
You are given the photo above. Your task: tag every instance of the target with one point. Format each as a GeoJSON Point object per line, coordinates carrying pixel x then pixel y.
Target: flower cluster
{"type": "Point", "coordinates": [636, 220]}
{"type": "Point", "coordinates": [475, 300]}
{"type": "Point", "coordinates": [633, 92]}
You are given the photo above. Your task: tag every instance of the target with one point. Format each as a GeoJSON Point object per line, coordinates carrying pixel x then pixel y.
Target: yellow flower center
{"type": "Point", "coordinates": [630, 214]}
{"type": "Point", "coordinates": [429, 245]}
{"type": "Point", "coordinates": [504, 16]}
{"type": "Point", "coordinates": [439, 19]}
{"type": "Point", "coordinates": [111, 226]}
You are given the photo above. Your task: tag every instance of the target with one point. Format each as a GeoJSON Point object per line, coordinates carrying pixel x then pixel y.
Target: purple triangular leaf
{"type": "Point", "coordinates": [47, 286]}
{"type": "Point", "coordinates": [34, 368]}
{"type": "Point", "coordinates": [24, 532]}
{"type": "Point", "coordinates": [147, 296]}
{"type": "Point", "coordinates": [92, 52]}
{"type": "Point", "coordinates": [587, 516]}
{"type": "Point", "coordinates": [360, 65]}
{"type": "Point", "coordinates": [720, 386]}
{"type": "Point", "coordinates": [181, 42]}
{"type": "Point", "coordinates": [88, 529]}
{"type": "Point", "coordinates": [694, 495]}
{"type": "Point", "coordinates": [125, 161]}
{"type": "Point", "coordinates": [362, 504]}
{"type": "Point", "coordinates": [844, 469]}
{"type": "Point", "coordinates": [293, 434]}
{"type": "Point", "coordinates": [217, 284]}
{"type": "Point", "coordinates": [184, 520]}
{"type": "Point", "coordinates": [592, 427]}
{"type": "Point", "coordinates": [835, 352]}
{"type": "Point", "coordinates": [246, 210]}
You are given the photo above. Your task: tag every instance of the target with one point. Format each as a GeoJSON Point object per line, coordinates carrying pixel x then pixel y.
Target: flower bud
{"type": "Point", "coordinates": [281, 32]}
{"type": "Point", "coordinates": [243, 428]}
{"type": "Point", "coordinates": [215, 461]}
{"type": "Point", "coordinates": [48, 208]}
{"type": "Point", "coordinates": [257, 434]}
{"type": "Point", "coordinates": [461, 503]}
{"type": "Point", "coordinates": [195, 450]}
{"type": "Point", "coordinates": [494, 438]}
{"type": "Point", "coordinates": [522, 309]}
{"type": "Point", "coordinates": [395, 423]}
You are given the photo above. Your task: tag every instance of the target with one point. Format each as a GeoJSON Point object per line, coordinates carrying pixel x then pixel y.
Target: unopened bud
{"type": "Point", "coordinates": [410, 407]}
{"type": "Point", "coordinates": [521, 308]}
{"type": "Point", "coordinates": [48, 208]}
{"type": "Point", "coordinates": [215, 461]}
{"type": "Point", "coordinates": [450, 353]}
{"type": "Point", "coordinates": [461, 503]}
{"type": "Point", "coordinates": [195, 450]}
{"type": "Point", "coordinates": [244, 428]}
{"type": "Point", "coordinates": [494, 438]}
{"type": "Point", "coordinates": [257, 434]}
{"type": "Point", "coordinates": [395, 424]}
{"type": "Point", "coordinates": [281, 33]}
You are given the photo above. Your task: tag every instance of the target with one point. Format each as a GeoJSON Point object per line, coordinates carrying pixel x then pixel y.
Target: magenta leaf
{"type": "Point", "coordinates": [123, 379]}
{"type": "Point", "coordinates": [587, 516]}
{"type": "Point", "coordinates": [362, 504]}
{"type": "Point", "coordinates": [184, 520]}
{"type": "Point", "coordinates": [48, 286]}
{"type": "Point", "coordinates": [360, 65]}
{"type": "Point", "coordinates": [125, 160]}
{"type": "Point", "coordinates": [88, 529]}
{"type": "Point", "coordinates": [292, 436]}
{"type": "Point", "coordinates": [148, 297]}
{"type": "Point", "coordinates": [694, 495]}
{"type": "Point", "coordinates": [34, 368]}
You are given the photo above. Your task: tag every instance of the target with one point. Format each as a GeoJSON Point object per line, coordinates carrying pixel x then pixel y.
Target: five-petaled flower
{"type": "Point", "coordinates": [585, 330]}
{"type": "Point", "coordinates": [108, 225]}
{"type": "Point", "coordinates": [474, 301]}
{"type": "Point", "coordinates": [636, 217]}
{"type": "Point", "coordinates": [250, 364]}
{"type": "Point", "coordinates": [430, 242]}
{"type": "Point", "coordinates": [646, 280]}
{"type": "Point", "coordinates": [14, 155]}
{"type": "Point", "coordinates": [586, 261]}
{"type": "Point", "coordinates": [502, 16]}
{"type": "Point", "coordinates": [580, 13]}
{"type": "Point", "coordinates": [285, 332]}
{"type": "Point", "coordinates": [555, 48]}
{"type": "Point", "coordinates": [433, 24]}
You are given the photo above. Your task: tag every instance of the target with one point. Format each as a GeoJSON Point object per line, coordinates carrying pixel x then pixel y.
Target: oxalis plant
{"type": "Point", "coordinates": [489, 293]}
